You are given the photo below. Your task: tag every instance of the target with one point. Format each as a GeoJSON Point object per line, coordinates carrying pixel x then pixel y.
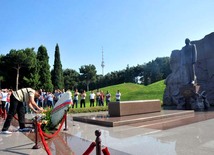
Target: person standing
{"type": "Point", "coordinates": [118, 95]}
{"type": "Point", "coordinates": [56, 94]}
{"type": "Point", "coordinates": [1, 112]}
{"type": "Point", "coordinates": [50, 100]}
{"type": "Point", "coordinates": [8, 100]}
{"type": "Point", "coordinates": [108, 98]}
{"type": "Point", "coordinates": [92, 97]}
{"type": "Point", "coordinates": [97, 97]}
{"type": "Point", "coordinates": [17, 98]}
{"type": "Point", "coordinates": [101, 98]}
{"type": "Point", "coordinates": [82, 101]}
{"type": "Point", "coordinates": [75, 100]}
{"type": "Point", "coordinates": [3, 101]}
{"type": "Point", "coordinates": [41, 99]}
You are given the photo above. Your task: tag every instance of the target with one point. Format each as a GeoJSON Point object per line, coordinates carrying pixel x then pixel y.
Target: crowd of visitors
{"type": "Point", "coordinates": [48, 99]}
{"type": "Point", "coordinates": [98, 98]}
{"type": "Point", "coordinates": [12, 102]}
{"type": "Point", "coordinates": [4, 102]}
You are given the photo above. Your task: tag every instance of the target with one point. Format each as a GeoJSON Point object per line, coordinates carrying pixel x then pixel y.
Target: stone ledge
{"type": "Point", "coordinates": [103, 119]}
{"type": "Point", "coordinates": [125, 108]}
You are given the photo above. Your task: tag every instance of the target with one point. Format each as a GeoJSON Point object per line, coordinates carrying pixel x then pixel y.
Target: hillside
{"type": "Point", "coordinates": [131, 91]}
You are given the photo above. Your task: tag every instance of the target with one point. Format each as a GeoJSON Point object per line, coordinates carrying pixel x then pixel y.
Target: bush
{"type": "Point", "coordinates": [87, 109]}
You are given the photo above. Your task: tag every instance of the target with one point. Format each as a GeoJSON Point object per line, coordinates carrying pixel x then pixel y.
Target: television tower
{"type": "Point", "coordinates": [102, 63]}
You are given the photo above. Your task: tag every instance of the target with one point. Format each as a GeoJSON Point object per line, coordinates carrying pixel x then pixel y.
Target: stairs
{"type": "Point", "coordinates": [140, 119]}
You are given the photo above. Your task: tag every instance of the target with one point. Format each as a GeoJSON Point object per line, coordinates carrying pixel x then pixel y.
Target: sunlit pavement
{"type": "Point", "coordinates": [182, 136]}
{"type": "Point", "coordinates": [17, 143]}
{"type": "Point", "coordinates": [158, 138]}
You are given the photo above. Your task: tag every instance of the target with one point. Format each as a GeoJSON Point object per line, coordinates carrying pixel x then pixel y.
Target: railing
{"type": "Point", "coordinates": [38, 131]}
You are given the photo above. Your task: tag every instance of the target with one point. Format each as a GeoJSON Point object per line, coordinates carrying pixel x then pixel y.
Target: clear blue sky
{"type": "Point", "coordinates": [130, 31]}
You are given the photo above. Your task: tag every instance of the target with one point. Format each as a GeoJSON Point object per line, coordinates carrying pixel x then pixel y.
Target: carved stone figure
{"type": "Point", "coordinates": [188, 60]}
{"type": "Point", "coordinates": [187, 64]}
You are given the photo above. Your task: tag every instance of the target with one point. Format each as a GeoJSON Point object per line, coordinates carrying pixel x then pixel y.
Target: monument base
{"type": "Point", "coordinates": [104, 119]}
{"type": "Point", "coordinates": [125, 108]}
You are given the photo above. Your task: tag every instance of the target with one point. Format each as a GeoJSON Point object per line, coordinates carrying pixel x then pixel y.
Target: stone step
{"type": "Point", "coordinates": [105, 120]}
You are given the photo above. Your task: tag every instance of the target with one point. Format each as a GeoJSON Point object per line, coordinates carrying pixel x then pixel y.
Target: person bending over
{"type": "Point", "coordinates": [17, 100]}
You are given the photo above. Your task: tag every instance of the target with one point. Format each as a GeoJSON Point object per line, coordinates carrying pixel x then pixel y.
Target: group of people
{"type": "Point", "coordinates": [12, 102]}
{"type": "Point", "coordinates": [4, 102]}
{"type": "Point", "coordinates": [97, 97]}
{"type": "Point", "coordinates": [48, 99]}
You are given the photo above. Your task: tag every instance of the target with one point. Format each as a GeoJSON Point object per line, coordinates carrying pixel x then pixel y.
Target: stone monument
{"type": "Point", "coordinates": [188, 60]}
{"type": "Point", "coordinates": [191, 83]}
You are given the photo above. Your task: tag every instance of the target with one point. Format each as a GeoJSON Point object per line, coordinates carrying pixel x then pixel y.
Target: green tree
{"type": "Point", "coordinates": [1, 71]}
{"type": "Point", "coordinates": [88, 74]}
{"type": "Point", "coordinates": [44, 69]}
{"type": "Point", "coordinates": [30, 73]}
{"type": "Point", "coordinates": [57, 75]}
{"type": "Point", "coordinates": [152, 72]}
{"type": "Point", "coordinates": [1, 79]}
{"type": "Point", "coordinates": [18, 59]}
{"type": "Point", "coordinates": [71, 79]}
{"type": "Point", "coordinates": [164, 66]}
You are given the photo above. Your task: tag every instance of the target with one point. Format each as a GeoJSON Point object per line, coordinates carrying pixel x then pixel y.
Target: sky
{"type": "Point", "coordinates": [129, 32]}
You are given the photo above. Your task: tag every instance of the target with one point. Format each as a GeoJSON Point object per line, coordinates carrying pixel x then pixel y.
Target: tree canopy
{"type": "Point", "coordinates": [88, 74]}
{"type": "Point", "coordinates": [57, 73]}
{"type": "Point", "coordinates": [44, 70]}
{"type": "Point", "coordinates": [17, 61]}
{"type": "Point", "coordinates": [27, 68]}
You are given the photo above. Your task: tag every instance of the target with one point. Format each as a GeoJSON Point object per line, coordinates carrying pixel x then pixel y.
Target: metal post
{"type": "Point", "coordinates": [36, 146]}
{"type": "Point", "coordinates": [66, 126]}
{"type": "Point", "coordinates": [72, 119]}
{"type": "Point", "coordinates": [98, 142]}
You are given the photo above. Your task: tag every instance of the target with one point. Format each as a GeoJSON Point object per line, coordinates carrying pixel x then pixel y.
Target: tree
{"type": "Point", "coordinates": [88, 74]}
{"type": "Point", "coordinates": [164, 66]}
{"type": "Point", "coordinates": [17, 60]}
{"type": "Point", "coordinates": [44, 69]}
{"type": "Point", "coordinates": [71, 79]}
{"type": "Point", "coordinates": [155, 70]}
{"type": "Point", "coordinates": [1, 71]}
{"type": "Point", "coordinates": [1, 79]}
{"type": "Point", "coordinates": [30, 74]}
{"type": "Point", "coordinates": [57, 74]}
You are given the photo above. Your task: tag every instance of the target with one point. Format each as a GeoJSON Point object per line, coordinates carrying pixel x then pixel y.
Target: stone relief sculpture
{"type": "Point", "coordinates": [188, 60]}
{"type": "Point", "coordinates": [173, 81]}
{"type": "Point", "coordinates": [191, 83]}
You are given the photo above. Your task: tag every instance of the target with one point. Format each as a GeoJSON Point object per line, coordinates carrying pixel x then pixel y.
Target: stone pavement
{"type": "Point", "coordinates": [179, 136]}
{"type": "Point", "coordinates": [17, 143]}
{"type": "Point", "coordinates": [157, 138]}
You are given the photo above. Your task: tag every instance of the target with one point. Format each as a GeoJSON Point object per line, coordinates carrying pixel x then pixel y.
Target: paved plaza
{"type": "Point", "coordinates": [171, 136]}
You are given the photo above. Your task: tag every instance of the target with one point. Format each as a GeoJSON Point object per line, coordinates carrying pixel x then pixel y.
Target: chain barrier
{"type": "Point", "coordinates": [90, 149]}
{"type": "Point", "coordinates": [105, 151]}
{"type": "Point", "coordinates": [97, 143]}
{"type": "Point", "coordinates": [44, 135]}
{"type": "Point", "coordinates": [43, 139]}
{"type": "Point", "coordinates": [53, 135]}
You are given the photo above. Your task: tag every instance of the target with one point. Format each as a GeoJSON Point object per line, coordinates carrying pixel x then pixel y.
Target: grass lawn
{"type": "Point", "coordinates": [131, 91]}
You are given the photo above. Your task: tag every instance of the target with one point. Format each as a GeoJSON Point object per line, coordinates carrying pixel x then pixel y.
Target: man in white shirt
{"type": "Point", "coordinates": [92, 97]}
{"type": "Point", "coordinates": [75, 100]}
{"type": "Point", "coordinates": [118, 95]}
{"type": "Point", "coordinates": [3, 97]}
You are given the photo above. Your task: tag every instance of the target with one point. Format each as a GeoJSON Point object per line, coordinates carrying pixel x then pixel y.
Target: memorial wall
{"type": "Point", "coordinates": [203, 69]}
